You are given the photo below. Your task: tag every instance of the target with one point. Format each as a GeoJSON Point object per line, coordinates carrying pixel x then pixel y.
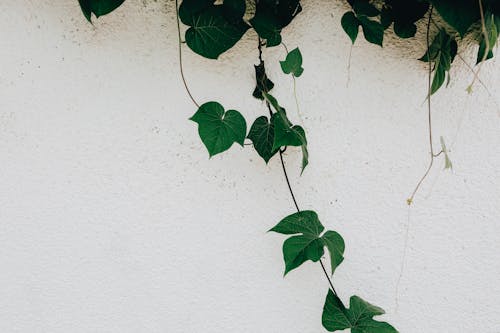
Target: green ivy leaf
{"type": "Point", "coordinates": [98, 7]}
{"type": "Point", "coordinates": [272, 16]}
{"type": "Point", "coordinates": [263, 85]}
{"type": "Point", "coordinates": [358, 318]}
{"type": "Point", "coordinates": [305, 222]}
{"type": "Point", "coordinates": [213, 28]}
{"type": "Point", "coordinates": [373, 31]}
{"type": "Point", "coordinates": [262, 135]}
{"type": "Point", "coordinates": [441, 52]}
{"type": "Point", "coordinates": [350, 24]}
{"type": "Point", "coordinates": [404, 14]}
{"type": "Point", "coordinates": [310, 244]}
{"type": "Point", "coordinates": [460, 14]}
{"type": "Point", "coordinates": [293, 63]}
{"type": "Point", "coordinates": [299, 249]}
{"type": "Point", "coordinates": [336, 246]}
{"type": "Point", "coordinates": [286, 135]}
{"type": "Point", "coordinates": [364, 8]}
{"type": "Point", "coordinates": [218, 129]}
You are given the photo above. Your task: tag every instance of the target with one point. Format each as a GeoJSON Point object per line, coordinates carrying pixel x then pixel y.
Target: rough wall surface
{"type": "Point", "coordinates": [113, 219]}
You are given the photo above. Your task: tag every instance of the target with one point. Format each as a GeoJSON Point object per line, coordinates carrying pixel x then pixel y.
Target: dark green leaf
{"type": "Point", "coordinates": [218, 129]}
{"type": "Point", "coordinates": [336, 246]}
{"type": "Point", "coordinates": [211, 31]}
{"type": "Point", "coordinates": [293, 63]}
{"type": "Point", "coordinates": [286, 135]}
{"type": "Point", "coordinates": [359, 316]}
{"type": "Point", "coordinates": [406, 30]}
{"type": "Point", "coordinates": [98, 7]}
{"type": "Point", "coordinates": [304, 222]}
{"type": "Point", "coordinates": [460, 14]}
{"type": "Point", "coordinates": [299, 249]}
{"type": "Point", "coordinates": [263, 84]}
{"type": "Point", "coordinates": [364, 8]}
{"type": "Point", "coordinates": [262, 135]}
{"type": "Point", "coordinates": [373, 31]}
{"type": "Point", "coordinates": [350, 24]}
{"type": "Point", "coordinates": [272, 16]}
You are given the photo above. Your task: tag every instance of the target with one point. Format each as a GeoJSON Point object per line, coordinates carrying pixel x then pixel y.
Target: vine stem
{"type": "Point", "coordinates": [181, 67]}
{"type": "Point", "coordinates": [487, 46]}
{"type": "Point", "coordinates": [409, 201]}
{"type": "Point", "coordinates": [287, 179]}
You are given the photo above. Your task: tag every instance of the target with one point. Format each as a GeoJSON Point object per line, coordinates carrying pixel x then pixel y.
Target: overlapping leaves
{"type": "Point", "coordinates": [308, 243]}
{"type": "Point", "coordinates": [358, 318]}
{"type": "Point", "coordinates": [441, 53]}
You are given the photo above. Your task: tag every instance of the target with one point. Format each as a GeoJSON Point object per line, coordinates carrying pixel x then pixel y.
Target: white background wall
{"type": "Point", "coordinates": [113, 219]}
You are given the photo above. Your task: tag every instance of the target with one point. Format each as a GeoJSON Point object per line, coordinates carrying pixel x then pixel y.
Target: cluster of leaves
{"type": "Point", "coordinates": [216, 26]}
{"type": "Point", "coordinates": [461, 16]}
{"type": "Point", "coordinates": [308, 243]}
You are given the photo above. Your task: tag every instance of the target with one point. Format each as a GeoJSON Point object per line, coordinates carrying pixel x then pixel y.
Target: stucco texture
{"type": "Point", "coordinates": [114, 219]}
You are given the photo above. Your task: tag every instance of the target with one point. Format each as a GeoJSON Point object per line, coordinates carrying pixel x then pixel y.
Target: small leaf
{"type": "Point", "coordinates": [447, 161]}
{"type": "Point", "coordinates": [293, 63]}
{"type": "Point", "coordinates": [492, 31]}
{"type": "Point", "coordinates": [336, 246]}
{"type": "Point", "coordinates": [373, 31]}
{"type": "Point", "coordinates": [350, 24]}
{"type": "Point", "coordinates": [218, 129]}
{"type": "Point", "coordinates": [305, 222]}
{"type": "Point", "coordinates": [262, 135]}
{"type": "Point", "coordinates": [359, 317]}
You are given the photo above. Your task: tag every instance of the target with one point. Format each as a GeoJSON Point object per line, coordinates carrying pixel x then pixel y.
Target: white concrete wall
{"type": "Point", "coordinates": [113, 219]}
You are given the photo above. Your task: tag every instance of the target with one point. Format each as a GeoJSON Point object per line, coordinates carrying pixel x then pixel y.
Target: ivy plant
{"type": "Point", "coordinates": [214, 27]}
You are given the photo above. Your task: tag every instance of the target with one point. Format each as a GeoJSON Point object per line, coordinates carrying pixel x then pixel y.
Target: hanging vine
{"type": "Point", "coordinates": [216, 26]}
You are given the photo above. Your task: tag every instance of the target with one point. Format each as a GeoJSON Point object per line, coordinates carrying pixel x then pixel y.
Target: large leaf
{"type": "Point", "coordinates": [358, 318]}
{"type": "Point", "coordinates": [299, 249]}
{"type": "Point", "coordinates": [262, 135]}
{"type": "Point", "coordinates": [214, 29]}
{"type": "Point", "coordinates": [98, 7]}
{"type": "Point", "coordinates": [218, 129]}
{"type": "Point", "coordinates": [293, 63]}
{"type": "Point", "coordinates": [460, 14]}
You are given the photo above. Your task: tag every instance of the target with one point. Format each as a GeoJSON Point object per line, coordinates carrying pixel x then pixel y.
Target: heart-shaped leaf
{"type": "Point", "coordinates": [218, 129]}
{"type": "Point", "coordinates": [214, 29]}
{"type": "Point", "coordinates": [293, 63]}
{"type": "Point", "coordinates": [262, 135]}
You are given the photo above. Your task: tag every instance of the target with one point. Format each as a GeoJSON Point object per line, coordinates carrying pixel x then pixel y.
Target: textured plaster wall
{"type": "Point", "coordinates": [113, 219]}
